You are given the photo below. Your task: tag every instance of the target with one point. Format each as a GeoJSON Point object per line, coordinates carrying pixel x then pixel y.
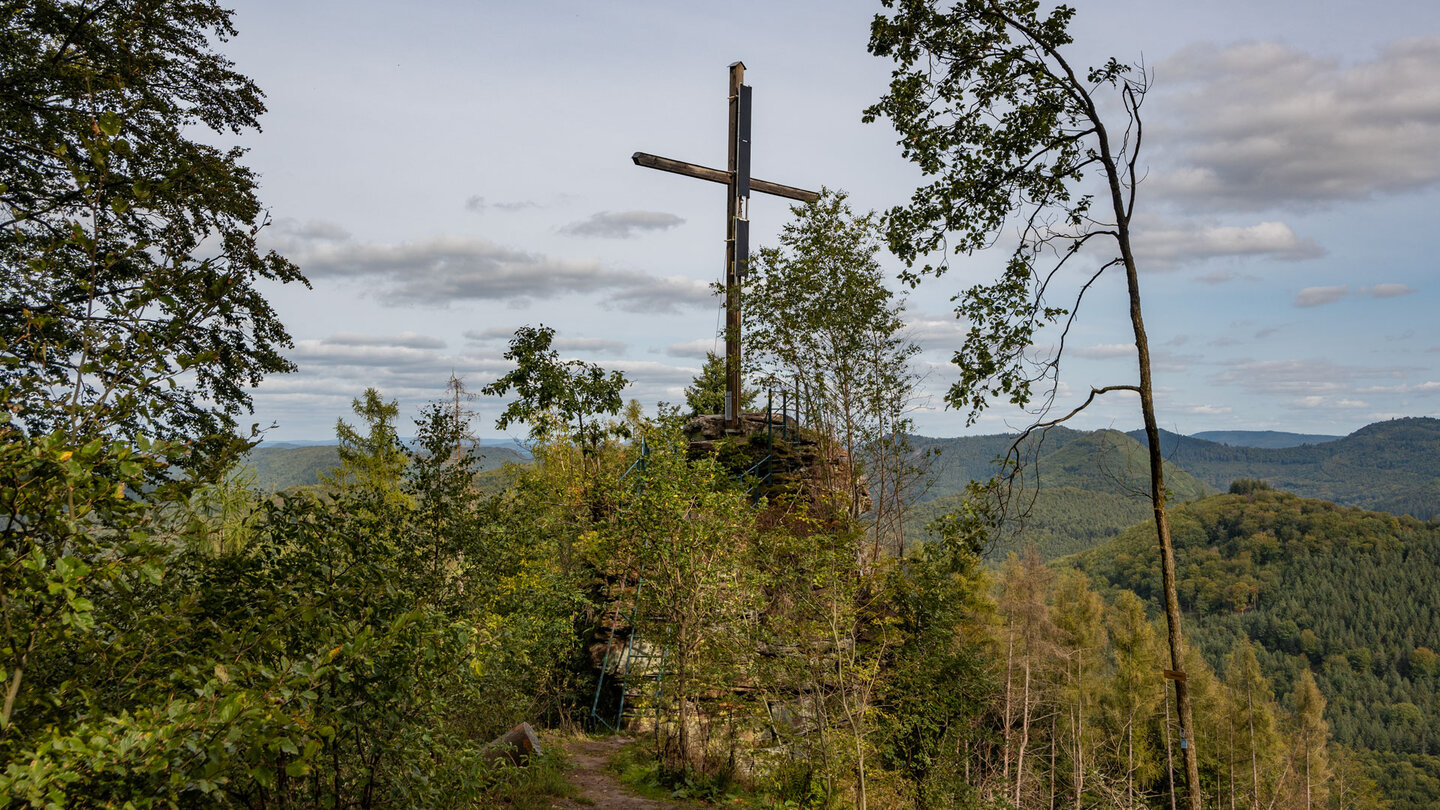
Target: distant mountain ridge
{"type": "Point", "coordinates": [1079, 487]}
{"type": "Point", "coordinates": [1262, 438]}
{"type": "Point", "coordinates": [278, 468]}
{"type": "Point", "coordinates": [1087, 486]}
{"type": "Point", "coordinates": [1391, 466]}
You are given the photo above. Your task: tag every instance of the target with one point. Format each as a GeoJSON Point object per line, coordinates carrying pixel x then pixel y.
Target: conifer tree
{"type": "Point", "coordinates": [1025, 584]}
{"type": "Point", "coordinates": [1079, 617]}
{"type": "Point", "coordinates": [1253, 699]}
{"type": "Point", "coordinates": [1313, 735]}
{"type": "Point", "coordinates": [372, 458]}
{"type": "Point", "coordinates": [1132, 696]}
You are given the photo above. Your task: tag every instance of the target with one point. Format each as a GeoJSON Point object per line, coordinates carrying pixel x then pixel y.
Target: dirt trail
{"type": "Point", "coordinates": [597, 785]}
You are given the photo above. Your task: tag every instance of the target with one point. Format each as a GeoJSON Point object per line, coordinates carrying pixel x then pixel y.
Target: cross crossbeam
{"type": "Point", "coordinates": [720, 176]}
{"type": "Point", "coordinates": [737, 224]}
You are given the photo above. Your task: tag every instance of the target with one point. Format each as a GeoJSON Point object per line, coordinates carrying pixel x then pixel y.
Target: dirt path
{"type": "Point", "coordinates": [598, 787]}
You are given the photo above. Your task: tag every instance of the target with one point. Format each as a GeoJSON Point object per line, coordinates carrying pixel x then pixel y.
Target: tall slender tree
{"type": "Point", "coordinates": [1254, 718]}
{"type": "Point", "coordinates": [1313, 735]}
{"type": "Point", "coordinates": [989, 105]}
{"type": "Point", "coordinates": [1079, 615]}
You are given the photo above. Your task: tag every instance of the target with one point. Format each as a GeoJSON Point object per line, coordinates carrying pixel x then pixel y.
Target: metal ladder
{"type": "Point", "coordinates": [645, 682]}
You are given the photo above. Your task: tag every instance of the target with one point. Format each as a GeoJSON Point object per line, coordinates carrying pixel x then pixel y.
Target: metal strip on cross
{"type": "Point", "coordinates": [737, 221]}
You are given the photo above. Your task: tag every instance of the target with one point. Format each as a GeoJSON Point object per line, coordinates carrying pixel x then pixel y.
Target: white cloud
{"type": "Point", "coordinates": [560, 343]}
{"type": "Point", "coordinates": [441, 270]}
{"type": "Point", "coordinates": [493, 333]}
{"type": "Point", "coordinates": [1316, 296]}
{"type": "Point", "coordinates": [1105, 351]}
{"type": "Point", "coordinates": [622, 224]}
{"type": "Point", "coordinates": [585, 344]}
{"type": "Point", "coordinates": [651, 294]}
{"type": "Point", "coordinates": [1261, 124]}
{"type": "Point", "coordinates": [479, 204]}
{"type": "Point", "coordinates": [651, 373]}
{"type": "Point", "coordinates": [410, 340]}
{"type": "Point", "coordinates": [1425, 389]}
{"type": "Point", "coordinates": [307, 352]}
{"type": "Point", "coordinates": [1387, 290]}
{"type": "Point", "coordinates": [1161, 245]}
{"type": "Point", "coordinates": [1319, 296]}
{"type": "Point", "coordinates": [293, 231]}
{"type": "Point", "coordinates": [696, 349]}
{"type": "Point", "coordinates": [1312, 381]}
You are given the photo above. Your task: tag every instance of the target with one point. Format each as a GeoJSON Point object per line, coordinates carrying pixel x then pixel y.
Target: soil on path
{"type": "Point", "coordinates": [599, 788]}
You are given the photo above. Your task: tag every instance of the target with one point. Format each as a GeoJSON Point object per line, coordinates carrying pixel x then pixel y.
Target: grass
{"type": "Point", "coordinates": [537, 786]}
{"type": "Point", "coordinates": [637, 767]}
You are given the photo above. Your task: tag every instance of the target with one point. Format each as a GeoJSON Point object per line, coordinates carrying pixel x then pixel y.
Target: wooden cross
{"type": "Point", "coordinates": [737, 223]}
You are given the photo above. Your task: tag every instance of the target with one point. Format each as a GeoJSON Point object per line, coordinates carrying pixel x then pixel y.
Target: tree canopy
{"type": "Point", "coordinates": [549, 390]}
{"type": "Point", "coordinates": [129, 296]}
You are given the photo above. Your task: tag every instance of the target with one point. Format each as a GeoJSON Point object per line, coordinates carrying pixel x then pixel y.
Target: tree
{"type": "Point", "coordinates": [987, 103]}
{"type": "Point", "coordinates": [817, 311]}
{"type": "Point", "coordinates": [1132, 697]}
{"type": "Point", "coordinates": [707, 393]}
{"type": "Point", "coordinates": [1313, 736]}
{"type": "Point", "coordinates": [129, 312]}
{"type": "Point", "coordinates": [1079, 618]}
{"type": "Point", "coordinates": [1025, 584]}
{"type": "Point", "coordinates": [551, 392]}
{"type": "Point", "coordinates": [129, 296]}
{"type": "Point", "coordinates": [1254, 717]}
{"type": "Point", "coordinates": [375, 460]}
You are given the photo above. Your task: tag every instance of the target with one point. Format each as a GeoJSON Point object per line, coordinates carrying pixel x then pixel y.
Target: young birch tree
{"type": "Point", "coordinates": [818, 311]}
{"type": "Point", "coordinates": [989, 106]}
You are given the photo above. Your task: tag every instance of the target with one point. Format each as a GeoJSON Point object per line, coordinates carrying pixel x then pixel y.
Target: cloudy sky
{"type": "Point", "coordinates": [444, 172]}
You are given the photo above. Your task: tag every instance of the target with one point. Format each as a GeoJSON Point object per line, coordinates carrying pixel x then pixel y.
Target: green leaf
{"type": "Point", "coordinates": [297, 768]}
{"type": "Point", "coordinates": [110, 123]}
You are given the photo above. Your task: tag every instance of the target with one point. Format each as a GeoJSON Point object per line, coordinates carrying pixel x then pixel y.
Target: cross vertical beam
{"type": "Point", "coordinates": [739, 184]}
{"type": "Point", "coordinates": [733, 381]}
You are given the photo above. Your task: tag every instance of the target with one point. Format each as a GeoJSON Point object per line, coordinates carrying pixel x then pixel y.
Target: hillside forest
{"type": "Point", "coordinates": [813, 609]}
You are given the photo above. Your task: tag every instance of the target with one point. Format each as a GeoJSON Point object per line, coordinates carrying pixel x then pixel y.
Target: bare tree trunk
{"type": "Point", "coordinates": [1009, 701]}
{"type": "Point", "coordinates": [1024, 730]}
{"type": "Point", "coordinates": [1305, 741]}
{"type": "Point", "coordinates": [1052, 759]}
{"type": "Point", "coordinates": [1231, 758]}
{"type": "Point", "coordinates": [1169, 755]}
{"type": "Point", "coordinates": [1079, 729]}
{"type": "Point", "coordinates": [1130, 760]}
{"type": "Point", "coordinates": [1254, 758]}
{"type": "Point", "coordinates": [1157, 492]}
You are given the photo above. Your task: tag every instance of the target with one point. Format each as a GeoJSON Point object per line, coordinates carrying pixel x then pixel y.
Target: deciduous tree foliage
{"type": "Point", "coordinates": [818, 316]}
{"type": "Point", "coordinates": [551, 392]}
{"type": "Point", "coordinates": [128, 298]}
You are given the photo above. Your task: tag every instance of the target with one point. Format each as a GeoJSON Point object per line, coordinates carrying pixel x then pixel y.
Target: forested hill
{"type": "Point", "coordinates": [1100, 461]}
{"type": "Point", "coordinates": [1346, 593]}
{"type": "Point", "coordinates": [279, 468]}
{"type": "Point", "coordinates": [1389, 466]}
{"type": "Point", "coordinates": [1080, 488]}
